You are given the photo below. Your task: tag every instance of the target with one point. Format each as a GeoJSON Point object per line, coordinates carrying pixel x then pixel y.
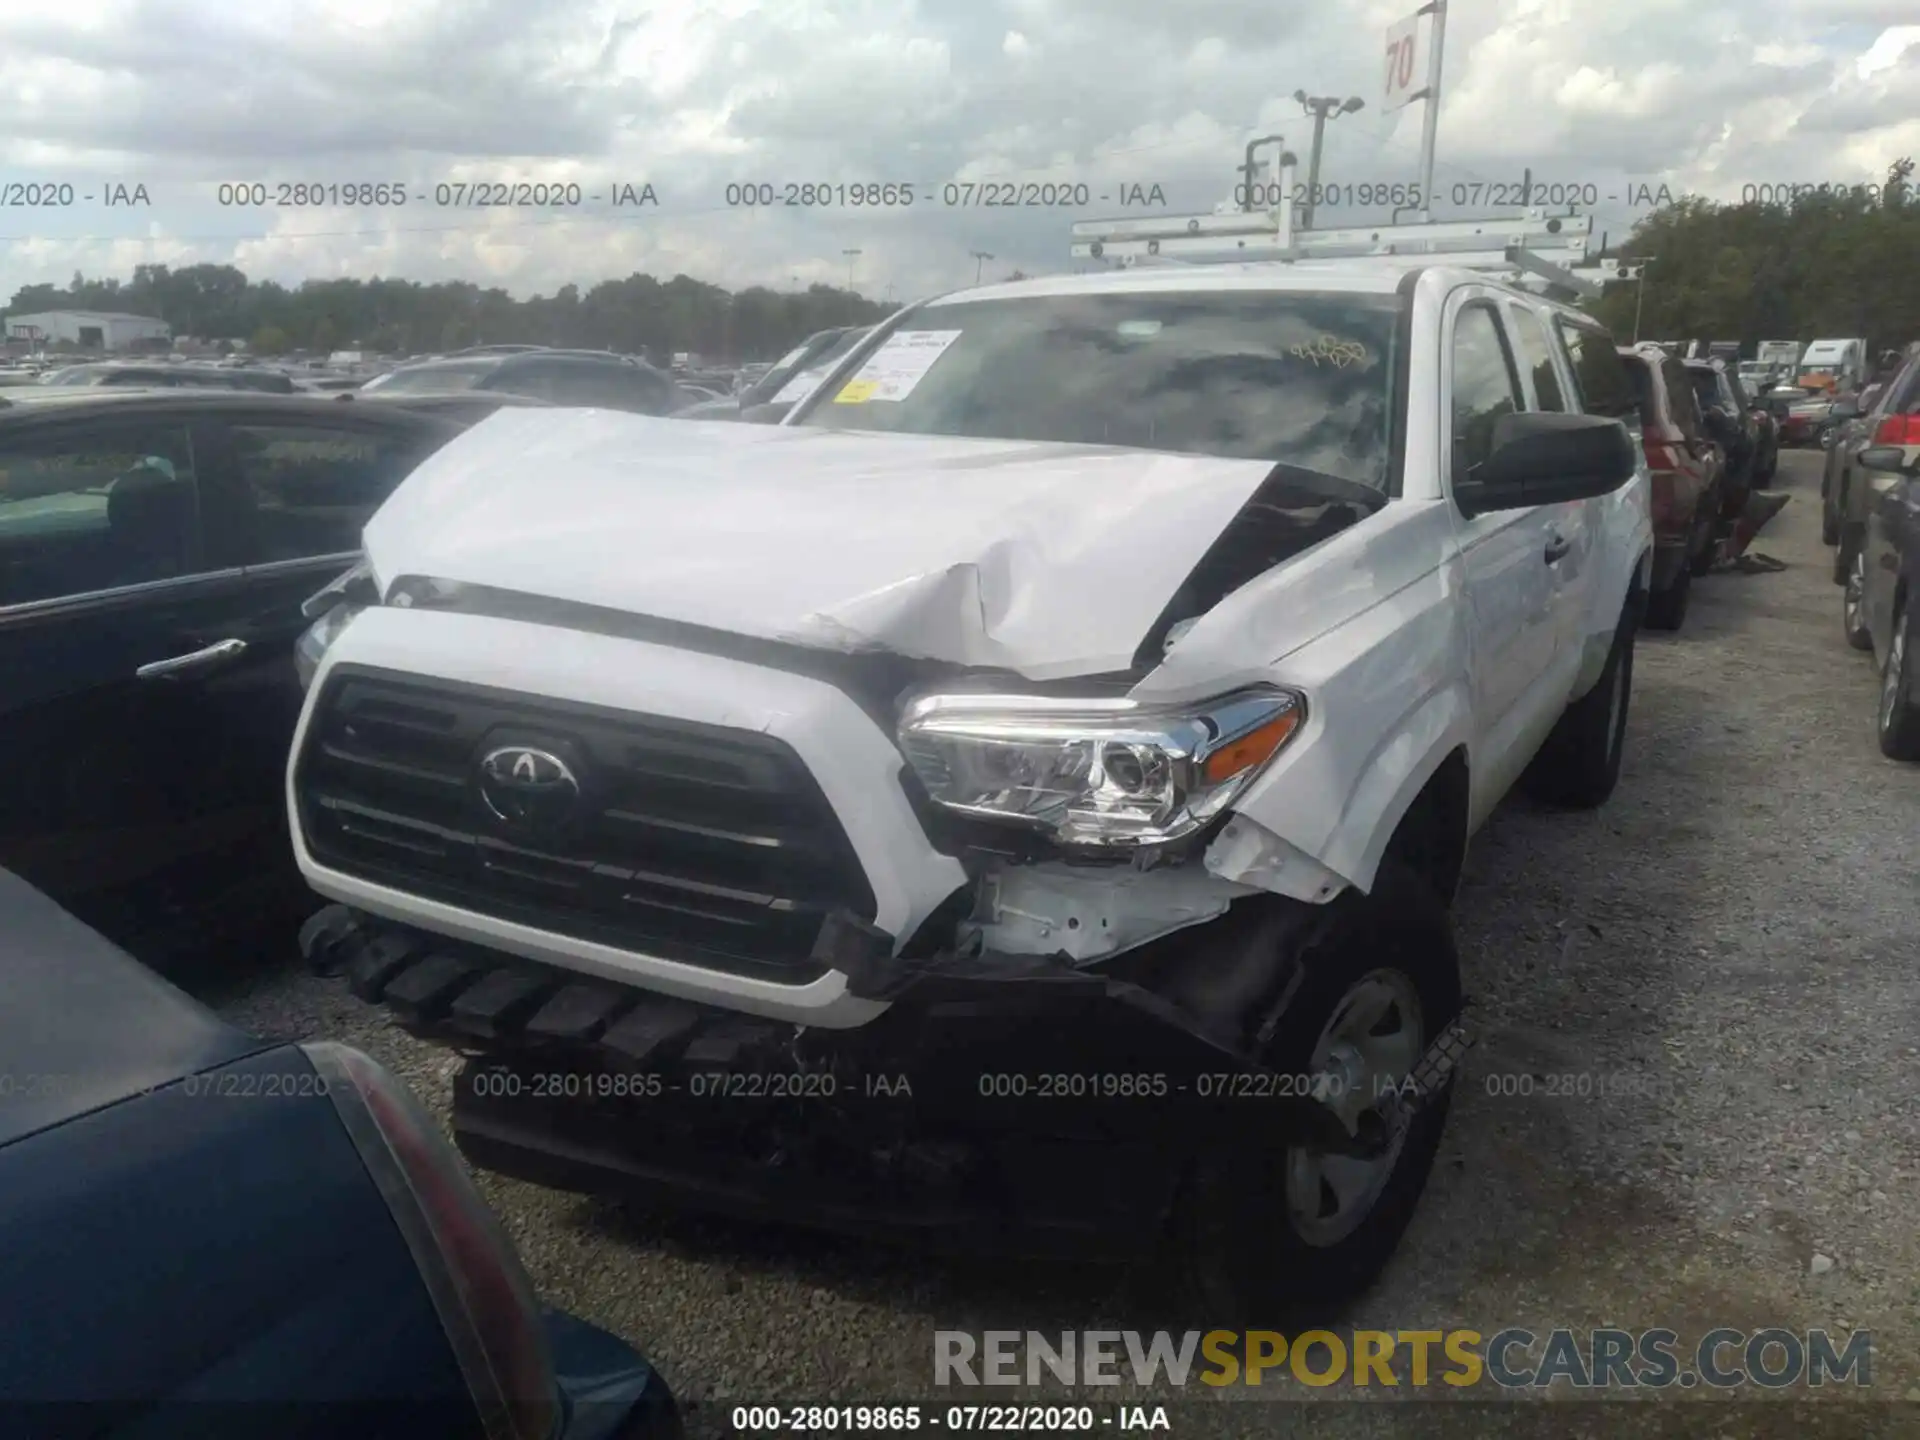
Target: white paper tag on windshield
{"type": "Point", "coordinates": [799, 387]}
{"type": "Point", "coordinates": [900, 364]}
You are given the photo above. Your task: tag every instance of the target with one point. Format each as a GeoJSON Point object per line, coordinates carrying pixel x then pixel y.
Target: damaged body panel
{"type": "Point", "coordinates": [1042, 560]}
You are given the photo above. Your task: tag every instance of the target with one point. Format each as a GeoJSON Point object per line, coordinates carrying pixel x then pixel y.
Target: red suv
{"type": "Point", "coordinates": [1689, 480]}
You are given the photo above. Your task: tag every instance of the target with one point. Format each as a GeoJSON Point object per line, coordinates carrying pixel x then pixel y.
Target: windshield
{"type": "Point", "coordinates": [433, 379]}
{"type": "Point", "coordinates": [785, 384]}
{"type": "Point", "coordinates": [1301, 378]}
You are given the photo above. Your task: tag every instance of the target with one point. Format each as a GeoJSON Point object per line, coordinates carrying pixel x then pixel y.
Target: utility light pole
{"type": "Point", "coordinates": [852, 255]}
{"type": "Point", "coordinates": [980, 258]}
{"type": "Point", "coordinates": [1321, 107]}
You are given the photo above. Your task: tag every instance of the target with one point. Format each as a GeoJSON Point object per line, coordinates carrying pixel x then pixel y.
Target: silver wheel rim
{"type": "Point", "coordinates": [1893, 685]}
{"type": "Point", "coordinates": [1856, 591]}
{"type": "Point", "coordinates": [1370, 1044]}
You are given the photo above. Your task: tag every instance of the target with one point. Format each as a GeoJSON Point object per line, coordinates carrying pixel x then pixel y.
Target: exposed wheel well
{"type": "Point", "coordinates": [1431, 838]}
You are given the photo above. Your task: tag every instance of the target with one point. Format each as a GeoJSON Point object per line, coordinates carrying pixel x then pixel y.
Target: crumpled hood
{"type": "Point", "coordinates": [1047, 560]}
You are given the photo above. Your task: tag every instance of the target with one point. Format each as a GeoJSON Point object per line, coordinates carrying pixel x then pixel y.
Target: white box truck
{"type": "Point", "coordinates": [1835, 365]}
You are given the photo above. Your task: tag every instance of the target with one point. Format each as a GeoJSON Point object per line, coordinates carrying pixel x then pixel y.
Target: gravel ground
{"type": "Point", "coordinates": [1729, 947]}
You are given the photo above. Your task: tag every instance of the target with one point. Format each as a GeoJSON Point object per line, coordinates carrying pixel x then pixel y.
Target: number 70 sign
{"type": "Point", "coordinates": [1406, 65]}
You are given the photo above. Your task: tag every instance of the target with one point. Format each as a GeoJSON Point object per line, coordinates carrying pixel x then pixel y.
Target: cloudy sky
{"type": "Point", "coordinates": [691, 96]}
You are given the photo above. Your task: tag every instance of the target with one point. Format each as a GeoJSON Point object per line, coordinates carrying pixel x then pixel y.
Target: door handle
{"type": "Point", "coordinates": [207, 659]}
{"type": "Point", "coordinates": [1557, 548]}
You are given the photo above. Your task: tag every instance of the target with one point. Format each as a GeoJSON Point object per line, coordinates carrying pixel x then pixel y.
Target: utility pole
{"type": "Point", "coordinates": [1249, 171]}
{"type": "Point", "coordinates": [1639, 295]}
{"type": "Point", "coordinates": [852, 255]}
{"type": "Point", "coordinates": [1430, 122]}
{"type": "Point", "coordinates": [1321, 107]}
{"type": "Point", "coordinates": [980, 258]}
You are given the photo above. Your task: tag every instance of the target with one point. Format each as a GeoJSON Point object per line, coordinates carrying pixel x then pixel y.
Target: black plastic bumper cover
{"type": "Point", "coordinates": [998, 1100]}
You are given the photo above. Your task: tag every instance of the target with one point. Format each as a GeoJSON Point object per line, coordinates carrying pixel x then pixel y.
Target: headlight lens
{"type": "Point", "coordinates": [1108, 774]}
{"type": "Point", "coordinates": [316, 639]}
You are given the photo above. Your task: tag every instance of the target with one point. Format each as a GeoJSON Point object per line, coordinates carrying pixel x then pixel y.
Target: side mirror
{"type": "Point", "coordinates": [1844, 410]}
{"type": "Point", "coordinates": [1891, 459]}
{"type": "Point", "coordinates": [1546, 459]}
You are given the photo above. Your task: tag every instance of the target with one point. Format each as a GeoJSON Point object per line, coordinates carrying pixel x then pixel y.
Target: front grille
{"type": "Point", "coordinates": [692, 842]}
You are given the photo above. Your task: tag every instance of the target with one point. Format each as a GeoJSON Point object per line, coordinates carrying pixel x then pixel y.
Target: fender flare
{"type": "Point", "coordinates": [1434, 730]}
{"type": "Point", "coordinates": [1394, 772]}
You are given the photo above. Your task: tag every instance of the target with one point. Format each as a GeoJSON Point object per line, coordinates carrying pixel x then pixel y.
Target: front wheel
{"type": "Point", "coordinates": [1853, 604]}
{"type": "Point", "coordinates": [1899, 706]}
{"type": "Point", "coordinates": [1295, 1225]}
{"type": "Point", "coordinates": [1579, 765]}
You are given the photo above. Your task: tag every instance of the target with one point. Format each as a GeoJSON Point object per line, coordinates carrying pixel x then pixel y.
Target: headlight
{"type": "Point", "coordinates": [318, 637]}
{"type": "Point", "coordinates": [330, 610]}
{"type": "Point", "coordinates": [1113, 774]}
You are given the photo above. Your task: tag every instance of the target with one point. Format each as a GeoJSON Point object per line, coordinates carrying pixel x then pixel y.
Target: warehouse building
{"type": "Point", "coordinates": [92, 329]}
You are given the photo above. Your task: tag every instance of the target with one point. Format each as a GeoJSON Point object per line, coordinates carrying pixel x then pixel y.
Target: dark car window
{"type": "Point", "coordinates": [115, 505]}
{"type": "Point", "coordinates": [310, 489]}
{"type": "Point", "coordinates": [435, 379]}
{"type": "Point", "coordinates": [1484, 386]}
{"type": "Point", "coordinates": [134, 377]}
{"type": "Point", "coordinates": [1902, 396]}
{"type": "Point", "coordinates": [1538, 351]}
{"type": "Point", "coordinates": [1302, 378]}
{"type": "Point", "coordinates": [1599, 375]}
{"type": "Point", "coordinates": [1704, 386]}
{"type": "Point", "coordinates": [612, 385]}
{"type": "Point", "coordinates": [1646, 388]}
{"type": "Point", "coordinates": [1683, 398]}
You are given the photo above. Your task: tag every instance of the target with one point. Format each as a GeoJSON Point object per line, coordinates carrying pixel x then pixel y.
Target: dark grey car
{"type": "Point", "coordinates": [1857, 492]}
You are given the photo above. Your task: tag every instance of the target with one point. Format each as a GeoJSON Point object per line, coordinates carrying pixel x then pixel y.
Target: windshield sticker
{"type": "Point", "coordinates": [1139, 329]}
{"type": "Point", "coordinates": [900, 364]}
{"type": "Point", "coordinates": [856, 392]}
{"type": "Point", "coordinates": [799, 387]}
{"type": "Point", "coordinates": [1332, 350]}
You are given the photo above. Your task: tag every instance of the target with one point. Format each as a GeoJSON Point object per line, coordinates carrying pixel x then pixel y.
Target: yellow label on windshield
{"type": "Point", "coordinates": [856, 392]}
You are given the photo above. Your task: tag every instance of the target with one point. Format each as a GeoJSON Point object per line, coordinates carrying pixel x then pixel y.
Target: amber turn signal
{"type": "Point", "coordinates": [1251, 749]}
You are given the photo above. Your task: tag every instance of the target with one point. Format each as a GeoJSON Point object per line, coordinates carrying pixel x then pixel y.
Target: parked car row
{"type": "Point", "coordinates": [1870, 513]}
{"type": "Point", "coordinates": [1708, 446]}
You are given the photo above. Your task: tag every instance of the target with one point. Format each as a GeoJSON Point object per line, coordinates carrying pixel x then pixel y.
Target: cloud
{"type": "Point", "coordinates": [700, 98]}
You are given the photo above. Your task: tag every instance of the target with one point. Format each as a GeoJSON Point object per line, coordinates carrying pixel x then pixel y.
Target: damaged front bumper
{"type": "Point", "coordinates": [999, 1102]}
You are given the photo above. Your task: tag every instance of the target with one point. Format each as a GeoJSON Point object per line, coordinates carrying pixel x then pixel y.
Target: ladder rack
{"type": "Point", "coordinates": [1522, 249]}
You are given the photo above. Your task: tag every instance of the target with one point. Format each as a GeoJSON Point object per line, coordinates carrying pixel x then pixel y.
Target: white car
{"type": "Point", "coordinates": [1019, 796]}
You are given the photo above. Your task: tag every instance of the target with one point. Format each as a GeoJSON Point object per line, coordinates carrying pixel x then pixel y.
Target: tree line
{"type": "Point", "coordinates": [637, 315]}
{"type": "Point", "coordinates": [1832, 265]}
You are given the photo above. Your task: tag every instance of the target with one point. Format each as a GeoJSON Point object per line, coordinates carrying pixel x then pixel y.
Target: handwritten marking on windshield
{"type": "Point", "coordinates": [1332, 349]}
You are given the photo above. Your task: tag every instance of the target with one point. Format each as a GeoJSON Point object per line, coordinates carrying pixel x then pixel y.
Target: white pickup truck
{"type": "Point", "coordinates": [1016, 800]}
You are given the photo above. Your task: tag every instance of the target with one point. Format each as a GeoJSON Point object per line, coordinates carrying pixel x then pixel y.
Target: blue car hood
{"type": "Point", "coordinates": [84, 1024]}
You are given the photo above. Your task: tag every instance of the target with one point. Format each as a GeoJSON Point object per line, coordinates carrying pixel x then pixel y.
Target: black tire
{"type": "Point", "coordinates": [1853, 603]}
{"type": "Point", "coordinates": [1252, 1254]}
{"type": "Point", "coordinates": [1829, 505]}
{"type": "Point", "coordinates": [1579, 765]}
{"type": "Point", "coordinates": [1706, 545]}
{"type": "Point", "coordinates": [1667, 609]}
{"type": "Point", "coordinates": [1772, 466]}
{"type": "Point", "coordinates": [1899, 699]}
